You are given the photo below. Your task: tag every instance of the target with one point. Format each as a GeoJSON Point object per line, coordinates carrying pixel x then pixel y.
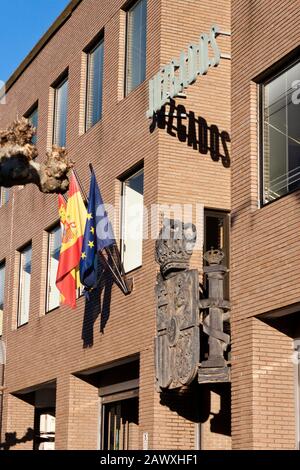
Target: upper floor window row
{"type": "Point", "coordinates": [135, 73]}
{"type": "Point", "coordinates": [280, 134]}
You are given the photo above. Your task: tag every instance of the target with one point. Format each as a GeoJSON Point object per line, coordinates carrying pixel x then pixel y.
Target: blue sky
{"type": "Point", "coordinates": [23, 22]}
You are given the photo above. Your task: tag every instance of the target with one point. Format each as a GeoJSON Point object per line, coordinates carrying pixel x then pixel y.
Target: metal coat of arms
{"type": "Point", "coordinates": [182, 318]}
{"type": "Point", "coordinates": [178, 341]}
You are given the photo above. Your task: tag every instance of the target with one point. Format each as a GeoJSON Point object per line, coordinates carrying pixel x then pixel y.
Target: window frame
{"type": "Point", "coordinates": [287, 65]}
{"type": "Point", "coordinates": [115, 394]}
{"type": "Point", "coordinates": [94, 44]}
{"type": "Point", "coordinates": [28, 114]}
{"type": "Point", "coordinates": [130, 174]}
{"type": "Point", "coordinates": [21, 253]}
{"type": "Point", "coordinates": [64, 77]}
{"type": "Point", "coordinates": [225, 214]}
{"type": "Point", "coordinates": [128, 9]}
{"type": "Point", "coordinates": [49, 233]}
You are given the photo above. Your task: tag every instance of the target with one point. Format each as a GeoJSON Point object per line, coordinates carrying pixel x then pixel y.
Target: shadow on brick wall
{"type": "Point", "coordinates": [194, 404]}
{"type": "Point", "coordinates": [12, 440]}
{"type": "Point", "coordinates": [97, 306]}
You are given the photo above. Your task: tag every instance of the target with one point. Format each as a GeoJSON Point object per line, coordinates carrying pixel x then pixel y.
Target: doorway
{"type": "Point", "coordinates": [120, 424]}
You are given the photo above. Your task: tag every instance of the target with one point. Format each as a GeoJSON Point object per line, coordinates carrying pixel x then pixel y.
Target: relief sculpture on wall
{"type": "Point", "coordinates": [177, 342]}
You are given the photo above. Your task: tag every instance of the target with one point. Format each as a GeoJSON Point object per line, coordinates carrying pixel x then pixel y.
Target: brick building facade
{"type": "Point", "coordinates": [264, 233]}
{"type": "Point", "coordinates": [85, 378]}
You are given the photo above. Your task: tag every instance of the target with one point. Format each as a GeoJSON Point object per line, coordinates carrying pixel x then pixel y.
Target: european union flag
{"type": "Point", "coordinates": [98, 235]}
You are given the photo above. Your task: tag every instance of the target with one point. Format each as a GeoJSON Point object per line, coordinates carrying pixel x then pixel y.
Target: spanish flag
{"type": "Point", "coordinates": [73, 221]}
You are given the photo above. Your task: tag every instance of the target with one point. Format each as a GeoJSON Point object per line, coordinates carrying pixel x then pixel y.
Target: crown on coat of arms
{"type": "Point", "coordinates": [174, 246]}
{"type": "Point", "coordinates": [214, 256]}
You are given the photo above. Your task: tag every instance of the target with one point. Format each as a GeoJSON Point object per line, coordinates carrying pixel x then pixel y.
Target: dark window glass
{"type": "Point", "coordinates": [136, 45]}
{"type": "Point", "coordinates": [120, 425]}
{"type": "Point", "coordinates": [60, 114]}
{"type": "Point", "coordinates": [94, 85]}
{"type": "Point", "coordinates": [33, 118]}
{"type": "Point", "coordinates": [216, 235]}
{"type": "Point", "coordinates": [281, 135]}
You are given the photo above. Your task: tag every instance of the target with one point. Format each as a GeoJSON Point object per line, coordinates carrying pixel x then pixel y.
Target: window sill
{"type": "Point", "coordinates": [138, 87]}
{"type": "Point", "coordinates": [21, 326]}
{"type": "Point", "coordinates": [52, 310]}
{"type": "Point", "coordinates": [266, 204]}
{"type": "Point", "coordinates": [83, 131]}
{"type": "Point", "coordinates": [133, 270]}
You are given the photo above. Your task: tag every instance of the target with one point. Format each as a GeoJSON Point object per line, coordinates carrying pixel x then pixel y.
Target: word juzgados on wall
{"type": "Point", "coordinates": [174, 77]}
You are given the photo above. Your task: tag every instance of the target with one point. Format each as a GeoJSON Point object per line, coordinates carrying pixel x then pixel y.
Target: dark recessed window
{"type": "Point", "coordinates": [216, 235]}
{"type": "Point", "coordinates": [60, 113]}
{"type": "Point", "coordinates": [281, 134]}
{"type": "Point", "coordinates": [32, 116]}
{"type": "Point", "coordinates": [94, 89]}
{"type": "Point", "coordinates": [136, 34]}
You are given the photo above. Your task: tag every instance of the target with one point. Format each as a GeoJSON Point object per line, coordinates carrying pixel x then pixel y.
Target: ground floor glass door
{"type": "Point", "coordinates": [119, 424]}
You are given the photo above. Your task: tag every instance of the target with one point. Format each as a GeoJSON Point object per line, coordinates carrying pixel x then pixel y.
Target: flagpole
{"type": "Point", "coordinates": [107, 249]}
{"type": "Point", "coordinates": [81, 185]}
{"type": "Point", "coordinates": [116, 266]}
{"type": "Point", "coordinates": [120, 279]}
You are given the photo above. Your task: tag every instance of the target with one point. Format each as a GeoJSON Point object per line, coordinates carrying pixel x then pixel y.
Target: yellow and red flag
{"type": "Point", "coordinates": [73, 218]}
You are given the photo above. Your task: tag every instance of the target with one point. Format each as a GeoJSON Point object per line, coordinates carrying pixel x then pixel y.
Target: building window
{"type": "Point", "coordinates": [216, 235]}
{"type": "Point", "coordinates": [24, 285]}
{"type": "Point", "coordinates": [136, 33]}
{"type": "Point", "coordinates": [54, 245]}
{"type": "Point", "coordinates": [280, 134]}
{"type": "Point", "coordinates": [94, 89]}
{"type": "Point", "coordinates": [132, 221]}
{"type": "Point", "coordinates": [4, 196]}
{"type": "Point", "coordinates": [32, 116]}
{"type": "Point", "coordinates": [2, 291]}
{"type": "Point", "coordinates": [60, 113]}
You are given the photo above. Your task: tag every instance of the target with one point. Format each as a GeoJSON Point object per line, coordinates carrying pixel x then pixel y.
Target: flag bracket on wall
{"type": "Point", "coordinates": [112, 261]}
{"type": "Point", "coordinates": [99, 240]}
